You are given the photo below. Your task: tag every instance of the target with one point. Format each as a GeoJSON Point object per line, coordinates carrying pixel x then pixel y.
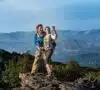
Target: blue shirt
{"type": "Point", "coordinates": [39, 39]}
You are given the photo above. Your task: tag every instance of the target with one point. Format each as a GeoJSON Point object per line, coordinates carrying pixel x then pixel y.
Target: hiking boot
{"type": "Point", "coordinates": [49, 77]}
{"type": "Point", "coordinates": [33, 73]}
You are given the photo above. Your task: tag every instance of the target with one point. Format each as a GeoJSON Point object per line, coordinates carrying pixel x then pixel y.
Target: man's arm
{"type": "Point", "coordinates": [36, 41]}
{"type": "Point", "coordinates": [38, 46]}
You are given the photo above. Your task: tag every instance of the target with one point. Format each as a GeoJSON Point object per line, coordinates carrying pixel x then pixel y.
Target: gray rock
{"type": "Point", "coordinates": [85, 84]}
{"type": "Point", "coordinates": [39, 81]}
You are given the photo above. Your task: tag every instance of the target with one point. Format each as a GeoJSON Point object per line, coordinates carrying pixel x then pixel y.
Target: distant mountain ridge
{"type": "Point", "coordinates": [69, 42]}
{"type": "Point", "coordinates": [73, 39]}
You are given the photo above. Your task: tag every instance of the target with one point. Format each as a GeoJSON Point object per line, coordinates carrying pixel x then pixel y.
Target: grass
{"type": "Point", "coordinates": [93, 76]}
{"type": "Point", "coordinates": [68, 72]}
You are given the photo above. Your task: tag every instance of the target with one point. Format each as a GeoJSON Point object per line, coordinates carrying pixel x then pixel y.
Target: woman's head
{"type": "Point", "coordinates": [47, 30]}
{"type": "Point", "coordinates": [39, 28]}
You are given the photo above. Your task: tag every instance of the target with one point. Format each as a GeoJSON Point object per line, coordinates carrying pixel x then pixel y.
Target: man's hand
{"type": "Point", "coordinates": [39, 48]}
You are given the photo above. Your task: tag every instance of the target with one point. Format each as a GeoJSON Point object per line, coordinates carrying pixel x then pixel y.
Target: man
{"type": "Point", "coordinates": [39, 37]}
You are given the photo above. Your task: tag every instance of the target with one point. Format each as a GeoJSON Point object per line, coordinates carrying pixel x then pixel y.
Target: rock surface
{"type": "Point", "coordinates": [41, 82]}
{"type": "Point", "coordinates": [85, 84]}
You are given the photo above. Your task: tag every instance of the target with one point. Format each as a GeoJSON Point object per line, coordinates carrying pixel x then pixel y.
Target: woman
{"type": "Point", "coordinates": [48, 50]}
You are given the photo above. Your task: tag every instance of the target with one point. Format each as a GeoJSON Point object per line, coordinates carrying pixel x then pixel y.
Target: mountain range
{"type": "Point", "coordinates": [69, 43]}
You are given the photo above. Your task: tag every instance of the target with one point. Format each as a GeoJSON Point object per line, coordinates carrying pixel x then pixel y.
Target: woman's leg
{"type": "Point", "coordinates": [47, 61]}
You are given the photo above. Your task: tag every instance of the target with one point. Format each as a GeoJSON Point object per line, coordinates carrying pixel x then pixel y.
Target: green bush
{"type": "Point", "coordinates": [25, 62]}
{"type": "Point", "coordinates": [93, 76]}
{"type": "Point", "coordinates": [72, 64]}
{"type": "Point", "coordinates": [11, 74]}
{"type": "Point", "coordinates": [69, 72]}
{"type": "Point", "coordinates": [72, 70]}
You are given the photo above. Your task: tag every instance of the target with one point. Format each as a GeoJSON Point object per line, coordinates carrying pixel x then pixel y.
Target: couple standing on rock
{"type": "Point", "coordinates": [45, 43]}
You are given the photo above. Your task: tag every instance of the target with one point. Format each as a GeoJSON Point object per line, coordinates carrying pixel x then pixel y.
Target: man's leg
{"type": "Point", "coordinates": [35, 63]}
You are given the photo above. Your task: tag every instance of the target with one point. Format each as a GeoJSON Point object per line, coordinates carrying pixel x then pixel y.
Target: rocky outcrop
{"type": "Point", "coordinates": [41, 82]}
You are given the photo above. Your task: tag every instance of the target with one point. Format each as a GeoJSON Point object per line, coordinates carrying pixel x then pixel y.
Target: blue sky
{"type": "Point", "coordinates": [24, 15]}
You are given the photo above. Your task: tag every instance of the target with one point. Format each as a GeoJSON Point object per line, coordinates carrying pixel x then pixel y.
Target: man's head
{"type": "Point", "coordinates": [53, 27]}
{"type": "Point", "coordinates": [39, 28]}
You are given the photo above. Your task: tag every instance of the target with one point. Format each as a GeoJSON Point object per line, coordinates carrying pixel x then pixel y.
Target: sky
{"type": "Point", "coordinates": [24, 15]}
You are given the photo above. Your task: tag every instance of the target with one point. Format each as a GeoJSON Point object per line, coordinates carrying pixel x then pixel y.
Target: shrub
{"type": "Point", "coordinates": [25, 63]}
{"type": "Point", "coordinates": [72, 64]}
{"type": "Point", "coordinates": [71, 71]}
{"type": "Point", "coordinates": [65, 73]}
{"type": "Point", "coordinates": [11, 74]}
{"type": "Point", "coordinates": [93, 76]}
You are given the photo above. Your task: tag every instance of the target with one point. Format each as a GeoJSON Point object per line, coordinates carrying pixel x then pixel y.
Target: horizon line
{"type": "Point", "coordinates": [57, 30]}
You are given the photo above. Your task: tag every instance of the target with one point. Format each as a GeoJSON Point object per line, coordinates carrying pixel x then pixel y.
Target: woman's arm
{"type": "Point", "coordinates": [49, 39]}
